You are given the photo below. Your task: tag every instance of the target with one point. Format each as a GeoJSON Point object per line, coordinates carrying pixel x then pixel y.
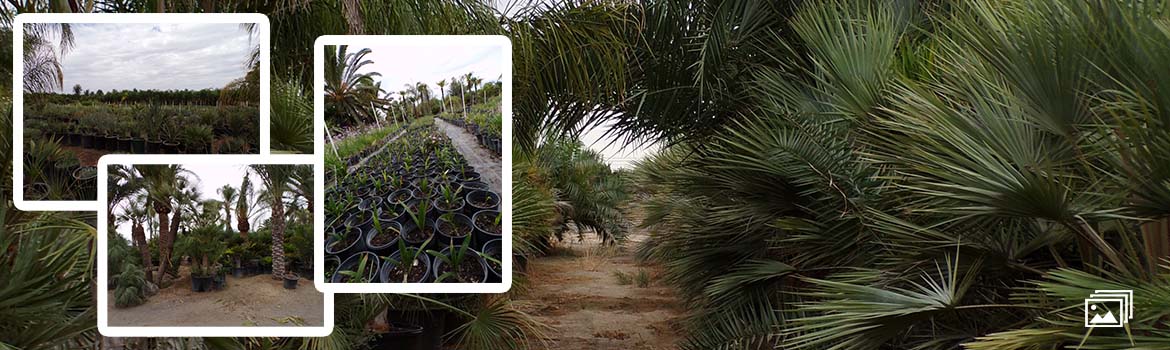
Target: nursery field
{"type": "Point", "coordinates": [412, 210]}
{"type": "Point", "coordinates": [63, 141]}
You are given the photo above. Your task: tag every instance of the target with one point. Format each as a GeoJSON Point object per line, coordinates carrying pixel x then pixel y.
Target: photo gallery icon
{"type": "Point", "coordinates": [1108, 308]}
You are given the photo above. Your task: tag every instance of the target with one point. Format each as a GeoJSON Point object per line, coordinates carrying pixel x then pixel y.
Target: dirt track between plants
{"type": "Point", "coordinates": [575, 291]}
{"type": "Point", "coordinates": [250, 301]}
{"type": "Point", "coordinates": [485, 163]}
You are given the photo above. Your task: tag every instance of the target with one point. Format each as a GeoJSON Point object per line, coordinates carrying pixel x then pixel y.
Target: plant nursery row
{"type": "Point", "coordinates": [148, 128]}
{"type": "Point", "coordinates": [415, 212]}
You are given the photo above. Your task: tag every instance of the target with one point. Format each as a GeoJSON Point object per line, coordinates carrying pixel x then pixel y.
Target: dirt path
{"type": "Point", "coordinates": [250, 301]}
{"type": "Point", "coordinates": [577, 291]}
{"type": "Point", "coordinates": [485, 163]}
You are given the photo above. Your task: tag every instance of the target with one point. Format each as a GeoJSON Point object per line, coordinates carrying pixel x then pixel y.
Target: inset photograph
{"type": "Point", "coordinates": [414, 159]}
{"type": "Point", "coordinates": [212, 244]}
{"type": "Point", "coordinates": [91, 89]}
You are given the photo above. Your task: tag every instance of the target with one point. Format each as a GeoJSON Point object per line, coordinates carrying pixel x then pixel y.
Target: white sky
{"type": "Point", "coordinates": [208, 179]}
{"type": "Point", "coordinates": [120, 56]}
{"type": "Point", "coordinates": [401, 65]}
{"type": "Point", "coordinates": [617, 154]}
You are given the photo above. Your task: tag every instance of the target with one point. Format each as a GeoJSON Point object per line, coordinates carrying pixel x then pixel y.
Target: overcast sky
{"type": "Point", "coordinates": [209, 178]}
{"type": "Point", "coordinates": [401, 65]}
{"type": "Point", "coordinates": [178, 56]}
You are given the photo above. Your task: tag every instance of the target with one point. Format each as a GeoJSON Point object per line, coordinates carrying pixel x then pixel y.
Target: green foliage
{"type": "Point", "coordinates": [131, 288]}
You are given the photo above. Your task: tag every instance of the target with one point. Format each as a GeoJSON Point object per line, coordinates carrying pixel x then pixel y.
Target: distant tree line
{"type": "Point", "coordinates": [205, 97]}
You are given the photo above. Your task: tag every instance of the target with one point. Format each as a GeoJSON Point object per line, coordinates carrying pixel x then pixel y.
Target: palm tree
{"type": "Point", "coordinates": [276, 179]}
{"type": "Point", "coordinates": [162, 183]}
{"type": "Point", "coordinates": [348, 92]}
{"type": "Point", "coordinates": [242, 212]}
{"type": "Point", "coordinates": [42, 68]}
{"type": "Point", "coordinates": [228, 193]}
{"type": "Point", "coordinates": [136, 213]}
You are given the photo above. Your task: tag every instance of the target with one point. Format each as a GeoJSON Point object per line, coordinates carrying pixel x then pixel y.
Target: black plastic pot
{"type": "Point", "coordinates": [494, 249]}
{"type": "Point", "coordinates": [99, 142]}
{"type": "Point", "coordinates": [369, 203]}
{"type": "Point", "coordinates": [153, 147]}
{"type": "Point", "coordinates": [331, 264]}
{"type": "Point", "coordinates": [446, 237]}
{"type": "Point", "coordinates": [138, 146]}
{"type": "Point", "coordinates": [201, 284]}
{"type": "Point", "coordinates": [399, 193]}
{"type": "Point", "coordinates": [351, 265]}
{"type": "Point", "coordinates": [385, 248]}
{"type": "Point", "coordinates": [290, 281]}
{"type": "Point", "coordinates": [409, 227]}
{"type": "Point", "coordinates": [124, 144]}
{"type": "Point", "coordinates": [393, 260]}
{"type": "Point", "coordinates": [456, 208]}
{"type": "Point", "coordinates": [400, 337]}
{"type": "Point", "coordinates": [343, 253]}
{"type": "Point", "coordinates": [87, 141]}
{"type": "Point", "coordinates": [471, 254]}
{"type": "Point", "coordinates": [482, 236]}
{"type": "Point", "coordinates": [475, 197]}
{"type": "Point", "coordinates": [170, 147]}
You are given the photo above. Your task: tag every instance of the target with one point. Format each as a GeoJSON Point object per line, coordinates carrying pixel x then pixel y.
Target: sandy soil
{"type": "Point", "coordinates": [251, 301]}
{"type": "Point", "coordinates": [575, 291]}
{"type": "Point", "coordinates": [485, 163]}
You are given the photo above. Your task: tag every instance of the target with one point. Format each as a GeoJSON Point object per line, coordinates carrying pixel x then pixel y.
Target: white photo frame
{"type": "Point", "coordinates": [103, 245]}
{"type": "Point", "coordinates": [18, 84]}
{"type": "Point", "coordinates": [497, 41]}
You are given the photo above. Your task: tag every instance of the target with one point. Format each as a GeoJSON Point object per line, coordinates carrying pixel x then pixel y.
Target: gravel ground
{"type": "Point", "coordinates": [251, 301]}
{"type": "Point", "coordinates": [485, 163]}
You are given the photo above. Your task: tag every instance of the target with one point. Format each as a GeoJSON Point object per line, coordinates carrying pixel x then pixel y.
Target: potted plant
{"type": "Point", "coordinates": [480, 200]}
{"type": "Point", "coordinates": [384, 235]}
{"type": "Point", "coordinates": [492, 253]}
{"type": "Point", "coordinates": [359, 268]}
{"type": "Point", "coordinates": [419, 229]}
{"type": "Point", "coordinates": [449, 200]}
{"type": "Point", "coordinates": [453, 227]}
{"type": "Point", "coordinates": [459, 263]}
{"type": "Point", "coordinates": [204, 247]}
{"type": "Point", "coordinates": [290, 280]}
{"type": "Point", "coordinates": [407, 265]}
{"type": "Point", "coordinates": [487, 225]}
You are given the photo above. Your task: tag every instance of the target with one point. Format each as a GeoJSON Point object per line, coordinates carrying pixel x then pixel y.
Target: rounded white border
{"type": "Point", "coordinates": [18, 84]}
{"type": "Point", "coordinates": [103, 241]}
{"type": "Point", "coordinates": [498, 41]}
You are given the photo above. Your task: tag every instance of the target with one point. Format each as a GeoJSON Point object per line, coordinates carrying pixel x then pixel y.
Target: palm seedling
{"type": "Point", "coordinates": [455, 263]}
{"type": "Point", "coordinates": [405, 266]}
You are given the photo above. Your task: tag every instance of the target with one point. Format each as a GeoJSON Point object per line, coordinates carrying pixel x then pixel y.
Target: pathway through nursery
{"type": "Point", "coordinates": [487, 165]}
{"type": "Point", "coordinates": [593, 296]}
{"type": "Point", "coordinates": [251, 301]}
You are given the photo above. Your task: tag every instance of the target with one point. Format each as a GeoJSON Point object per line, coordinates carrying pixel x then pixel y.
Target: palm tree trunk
{"type": "Point", "coordinates": [165, 242]}
{"type": "Point", "coordinates": [227, 212]}
{"type": "Point", "coordinates": [278, 268]}
{"type": "Point", "coordinates": [138, 234]}
{"type": "Point", "coordinates": [352, 11]}
{"type": "Point", "coordinates": [1156, 236]}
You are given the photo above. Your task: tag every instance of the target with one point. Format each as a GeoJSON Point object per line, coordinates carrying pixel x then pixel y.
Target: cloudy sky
{"type": "Point", "coordinates": [209, 178]}
{"type": "Point", "coordinates": [110, 56]}
{"type": "Point", "coordinates": [401, 65]}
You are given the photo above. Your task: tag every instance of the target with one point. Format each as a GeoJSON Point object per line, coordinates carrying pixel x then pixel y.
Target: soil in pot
{"type": "Point", "coordinates": [454, 227]}
{"type": "Point", "coordinates": [343, 242]}
{"type": "Point", "coordinates": [418, 272]}
{"type": "Point", "coordinates": [416, 236]}
{"type": "Point", "coordinates": [369, 203]}
{"type": "Point", "coordinates": [486, 225]}
{"type": "Point", "coordinates": [384, 236]}
{"type": "Point", "coordinates": [399, 196]}
{"type": "Point", "coordinates": [483, 200]}
{"type": "Point", "coordinates": [471, 269]}
{"type": "Point", "coordinates": [331, 264]}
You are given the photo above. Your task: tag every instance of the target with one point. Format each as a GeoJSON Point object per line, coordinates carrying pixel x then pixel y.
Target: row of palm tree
{"type": "Point", "coordinates": [354, 96]}
{"type": "Point", "coordinates": [164, 198]}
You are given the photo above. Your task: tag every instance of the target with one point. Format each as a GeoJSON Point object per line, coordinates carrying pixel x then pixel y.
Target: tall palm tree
{"type": "Point", "coordinates": [276, 180]}
{"type": "Point", "coordinates": [136, 213]}
{"type": "Point", "coordinates": [349, 92]}
{"type": "Point", "coordinates": [242, 206]}
{"type": "Point", "coordinates": [161, 184]}
{"type": "Point", "coordinates": [42, 67]}
{"type": "Point", "coordinates": [228, 193]}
